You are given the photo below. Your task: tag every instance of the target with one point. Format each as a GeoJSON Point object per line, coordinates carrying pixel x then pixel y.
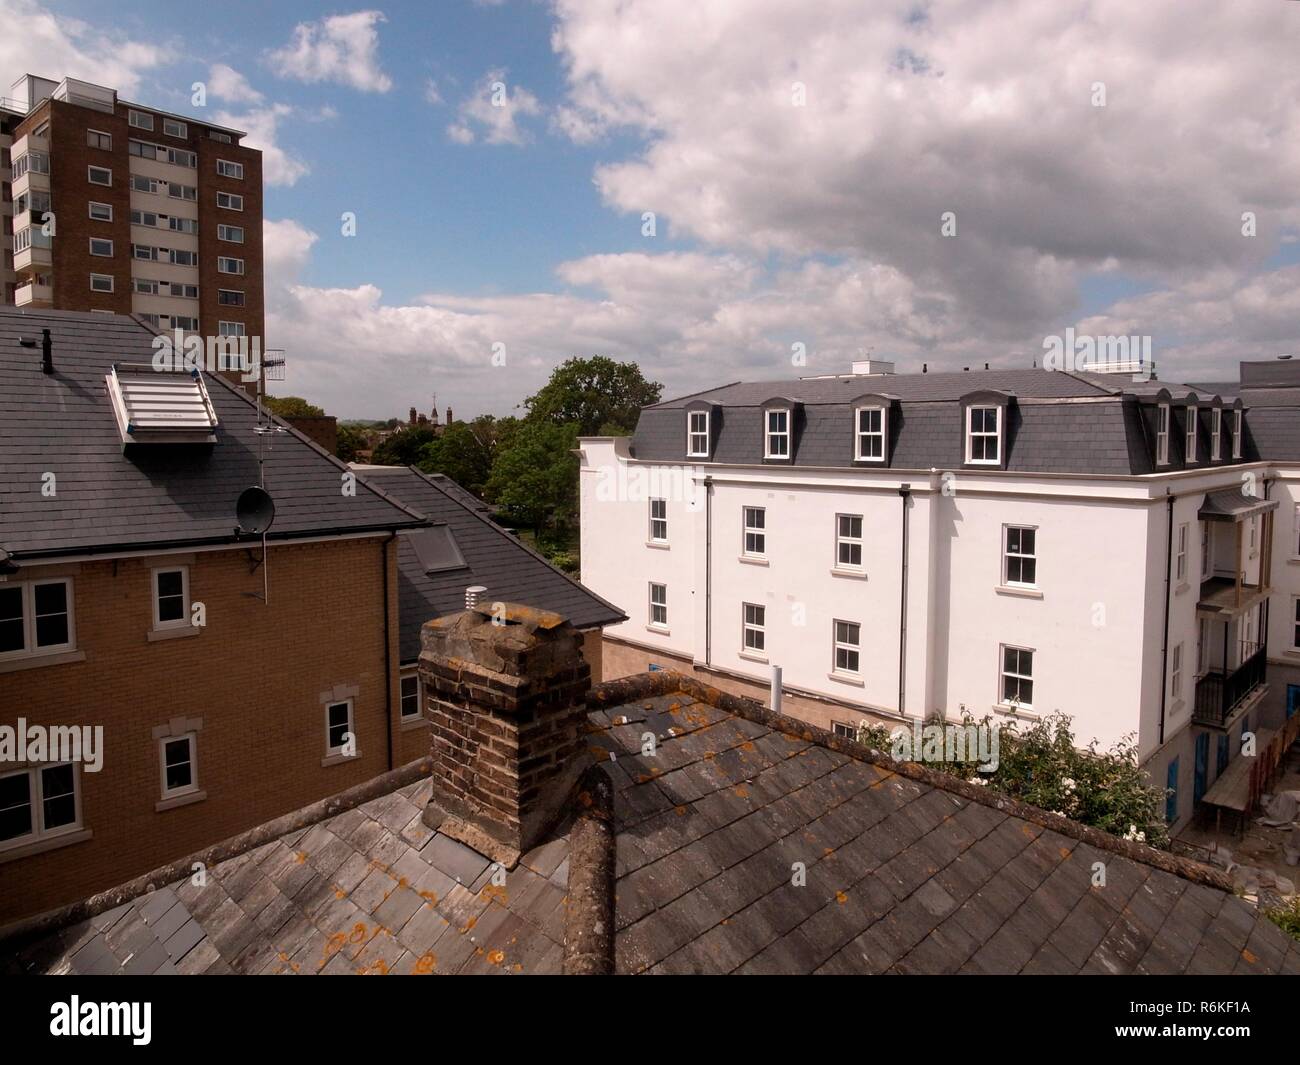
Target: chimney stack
{"type": "Point", "coordinates": [505, 696]}
{"type": "Point", "coordinates": [47, 352]}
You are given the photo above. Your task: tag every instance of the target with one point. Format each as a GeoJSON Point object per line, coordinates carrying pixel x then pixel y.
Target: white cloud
{"type": "Point", "coordinates": [491, 111]}
{"type": "Point", "coordinates": [226, 83]}
{"type": "Point", "coordinates": [279, 167]}
{"type": "Point", "coordinates": [35, 41]}
{"type": "Point", "coordinates": [340, 48]}
{"type": "Point", "coordinates": [980, 109]}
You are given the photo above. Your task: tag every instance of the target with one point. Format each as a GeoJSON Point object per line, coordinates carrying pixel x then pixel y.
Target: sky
{"type": "Point", "coordinates": [730, 190]}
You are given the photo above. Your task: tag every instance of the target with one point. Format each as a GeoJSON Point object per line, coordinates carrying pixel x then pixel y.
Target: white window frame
{"type": "Point", "coordinates": [1176, 671]}
{"type": "Point", "coordinates": [183, 622]}
{"type": "Point", "coordinates": [101, 254]}
{"type": "Point", "coordinates": [1162, 434]}
{"type": "Point", "coordinates": [236, 170]}
{"type": "Point", "coordinates": [176, 125]}
{"type": "Point", "coordinates": [1008, 555]}
{"type": "Point", "coordinates": [658, 613]}
{"type": "Point", "coordinates": [230, 198]}
{"type": "Point", "coordinates": [843, 540]}
{"type": "Point", "coordinates": [770, 435]}
{"type": "Point", "coordinates": [90, 172]}
{"type": "Point", "coordinates": [1003, 673]}
{"type": "Point", "coordinates": [758, 627]}
{"type": "Point", "coordinates": [337, 752]}
{"type": "Point", "coordinates": [1295, 623]}
{"type": "Point", "coordinates": [759, 531]}
{"type": "Point", "coordinates": [224, 231]}
{"type": "Point", "coordinates": [849, 647]}
{"type": "Point", "coordinates": [1207, 543]}
{"type": "Point", "coordinates": [30, 648]}
{"type": "Point", "coordinates": [231, 329]}
{"type": "Point", "coordinates": [1295, 533]}
{"type": "Point", "coordinates": [659, 521]}
{"type": "Point", "coordinates": [693, 434]}
{"type": "Point", "coordinates": [181, 321]}
{"type": "Point", "coordinates": [192, 738]}
{"type": "Point", "coordinates": [1190, 442]}
{"type": "Point", "coordinates": [230, 259]}
{"type": "Point", "coordinates": [90, 210]}
{"type": "Point", "coordinates": [402, 697]}
{"type": "Point", "coordinates": [140, 120]}
{"type": "Point", "coordinates": [861, 436]}
{"type": "Point", "coordinates": [102, 277]}
{"type": "Point", "coordinates": [233, 292]}
{"type": "Point", "coordinates": [36, 799]}
{"type": "Point", "coordinates": [95, 144]}
{"type": "Point", "coordinates": [1216, 434]}
{"type": "Point", "coordinates": [1236, 433]}
{"type": "Point", "coordinates": [1180, 554]}
{"type": "Point", "coordinates": [983, 434]}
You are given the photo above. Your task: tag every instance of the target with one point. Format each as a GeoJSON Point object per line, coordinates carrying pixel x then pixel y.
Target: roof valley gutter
{"type": "Point", "coordinates": [1164, 648]}
{"type": "Point", "coordinates": [905, 492]}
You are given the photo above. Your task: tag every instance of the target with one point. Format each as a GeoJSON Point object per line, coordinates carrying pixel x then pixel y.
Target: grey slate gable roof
{"type": "Point", "coordinates": [1056, 422]}
{"type": "Point", "coordinates": [108, 498]}
{"type": "Point", "coordinates": [907, 871]}
{"type": "Point", "coordinates": [509, 570]}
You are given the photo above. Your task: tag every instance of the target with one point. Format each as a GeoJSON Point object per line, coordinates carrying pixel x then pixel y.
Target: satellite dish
{"type": "Point", "coordinates": [255, 510]}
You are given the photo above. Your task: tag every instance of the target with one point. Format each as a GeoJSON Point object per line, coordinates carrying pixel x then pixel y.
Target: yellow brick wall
{"type": "Point", "coordinates": [254, 675]}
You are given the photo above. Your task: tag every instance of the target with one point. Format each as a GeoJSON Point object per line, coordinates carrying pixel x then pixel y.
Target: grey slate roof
{"type": "Point", "coordinates": [509, 570]}
{"type": "Point", "coordinates": [1059, 422]}
{"type": "Point", "coordinates": [151, 495]}
{"type": "Point", "coordinates": [902, 876]}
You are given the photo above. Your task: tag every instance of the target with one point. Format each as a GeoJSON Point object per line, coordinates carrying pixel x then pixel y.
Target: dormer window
{"type": "Point", "coordinates": [1162, 435]}
{"type": "Point", "coordinates": [984, 435]}
{"type": "Point", "coordinates": [1216, 434]}
{"type": "Point", "coordinates": [870, 435]}
{"type": "Point", "coordinates": [1190, 455]}
{"type": "Point", "coordinates": [1236, 434]}
{"type": "Point", "coordinates": [776, 438]}
{"type": "Point", "coordinates": [697, 434]}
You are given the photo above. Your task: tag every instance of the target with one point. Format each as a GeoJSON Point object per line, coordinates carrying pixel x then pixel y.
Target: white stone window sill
{"type": "Point", "coordinates": [658, 545]}
{"type": "Point", "coordinates": [754, 560]}
{"type": "Point", "coordinates": [1182, 588]}
{"type": "Point", "coordinates": [1176, 707]}
{"type": "Point", "coordinates": [1019, 592]}
{"type": "Point", "coordinates": [847, 678]}
{"type": "Point", "coordinates": [1011, 711]}
{"type": "Point", "coordinates": [1294, 652]}
{"type": "Point", "coordinates": [172, 802]}
{"type": "Point", "coordinates": [154, 635]}
{"type": "Point", "coordinates": [661, 630]}
{"type": "Point", "coordinates": [49, 843]}
{"type": "Point", "coordinates": [14, 665]}
{"type": "Point", "coordinates": [414, 721]}
{"type": "Point", "coordinates": [754, 656]}
{"type": "Point", "coordinates": [339, 759]}
{"type": "Point", "coordinates": [855, 574]}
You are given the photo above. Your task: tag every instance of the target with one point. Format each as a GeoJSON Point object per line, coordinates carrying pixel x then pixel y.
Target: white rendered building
{"type": "Point", "coordinates": [1011, 543]}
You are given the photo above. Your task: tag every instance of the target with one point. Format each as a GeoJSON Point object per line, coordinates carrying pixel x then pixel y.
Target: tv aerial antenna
{"type": "Point", "coordinates": [255, 509]}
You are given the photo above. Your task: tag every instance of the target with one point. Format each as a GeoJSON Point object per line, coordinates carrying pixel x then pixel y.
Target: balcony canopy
{"type": "Point", "coordinates": [1231, 504]}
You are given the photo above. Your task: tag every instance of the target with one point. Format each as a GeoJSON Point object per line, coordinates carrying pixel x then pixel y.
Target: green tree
{"type": "Point", "coordinates": [535, 477]}
{"type": "Point", "coordinates": [404, 446]}
{"type": "Point", "coordinates": [351, 440]}
{"type": "Point", "coordinates": [598, 395]}
{"type": "Point", "coordinates": [466, 451]}
{"type": "Point", "coordinates": [291, 407]}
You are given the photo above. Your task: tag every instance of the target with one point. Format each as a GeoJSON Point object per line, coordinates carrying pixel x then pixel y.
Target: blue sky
{"type": "Point", "coordinates": [796, 167]}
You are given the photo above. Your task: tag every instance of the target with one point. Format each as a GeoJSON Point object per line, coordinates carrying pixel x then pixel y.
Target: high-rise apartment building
{"type": "Point", "coordinates": [127, 209]}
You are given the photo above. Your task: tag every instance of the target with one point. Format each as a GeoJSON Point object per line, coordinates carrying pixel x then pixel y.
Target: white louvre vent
{"type": "Point", "coordinates": [161, 406]}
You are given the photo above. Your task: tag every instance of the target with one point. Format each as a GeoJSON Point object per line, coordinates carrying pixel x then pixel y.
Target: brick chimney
{"type": "Point", "coordinates": [505, 694]}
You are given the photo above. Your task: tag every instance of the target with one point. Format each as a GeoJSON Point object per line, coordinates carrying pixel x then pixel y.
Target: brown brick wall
{"type": "Point", "coordinates": [253, 313]}
{"type": "Point", "coordinates": [71, 194]}
{"type": "Point", "coordinates": [254, 676]}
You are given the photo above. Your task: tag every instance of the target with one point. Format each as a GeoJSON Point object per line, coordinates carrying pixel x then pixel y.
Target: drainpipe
{"type": "Point", "coordinates": [904, 491]}
{"type": "Point", "coordinates": [1164, 649]}
{"type": "Point", "coordinates": [708, 571]}
{"type": "Point", "coordinates": [776, 689]}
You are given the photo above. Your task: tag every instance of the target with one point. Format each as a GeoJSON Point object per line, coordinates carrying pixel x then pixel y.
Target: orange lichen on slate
{"type": "Point", "coordinates": [681, 811]}
{"type": "Point", "coordinates": [334, 944]}
{"type": "Point", "coordinates": [496, 957]}
{"type": "Point", "coordinates": [425, 965]}
{"type": "Point", "coordinates": [299, 857]}
{"type": "Point", "coordinates": [741, 792]}
{"type": "Point", "coordinates": [1248, 957]}
{"type": "Point", "coordinates": [493, 891]}
{"type": "Point", "coordinates": [430, 897]}
{"type": "Point", "coordinates": [841, 898]}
